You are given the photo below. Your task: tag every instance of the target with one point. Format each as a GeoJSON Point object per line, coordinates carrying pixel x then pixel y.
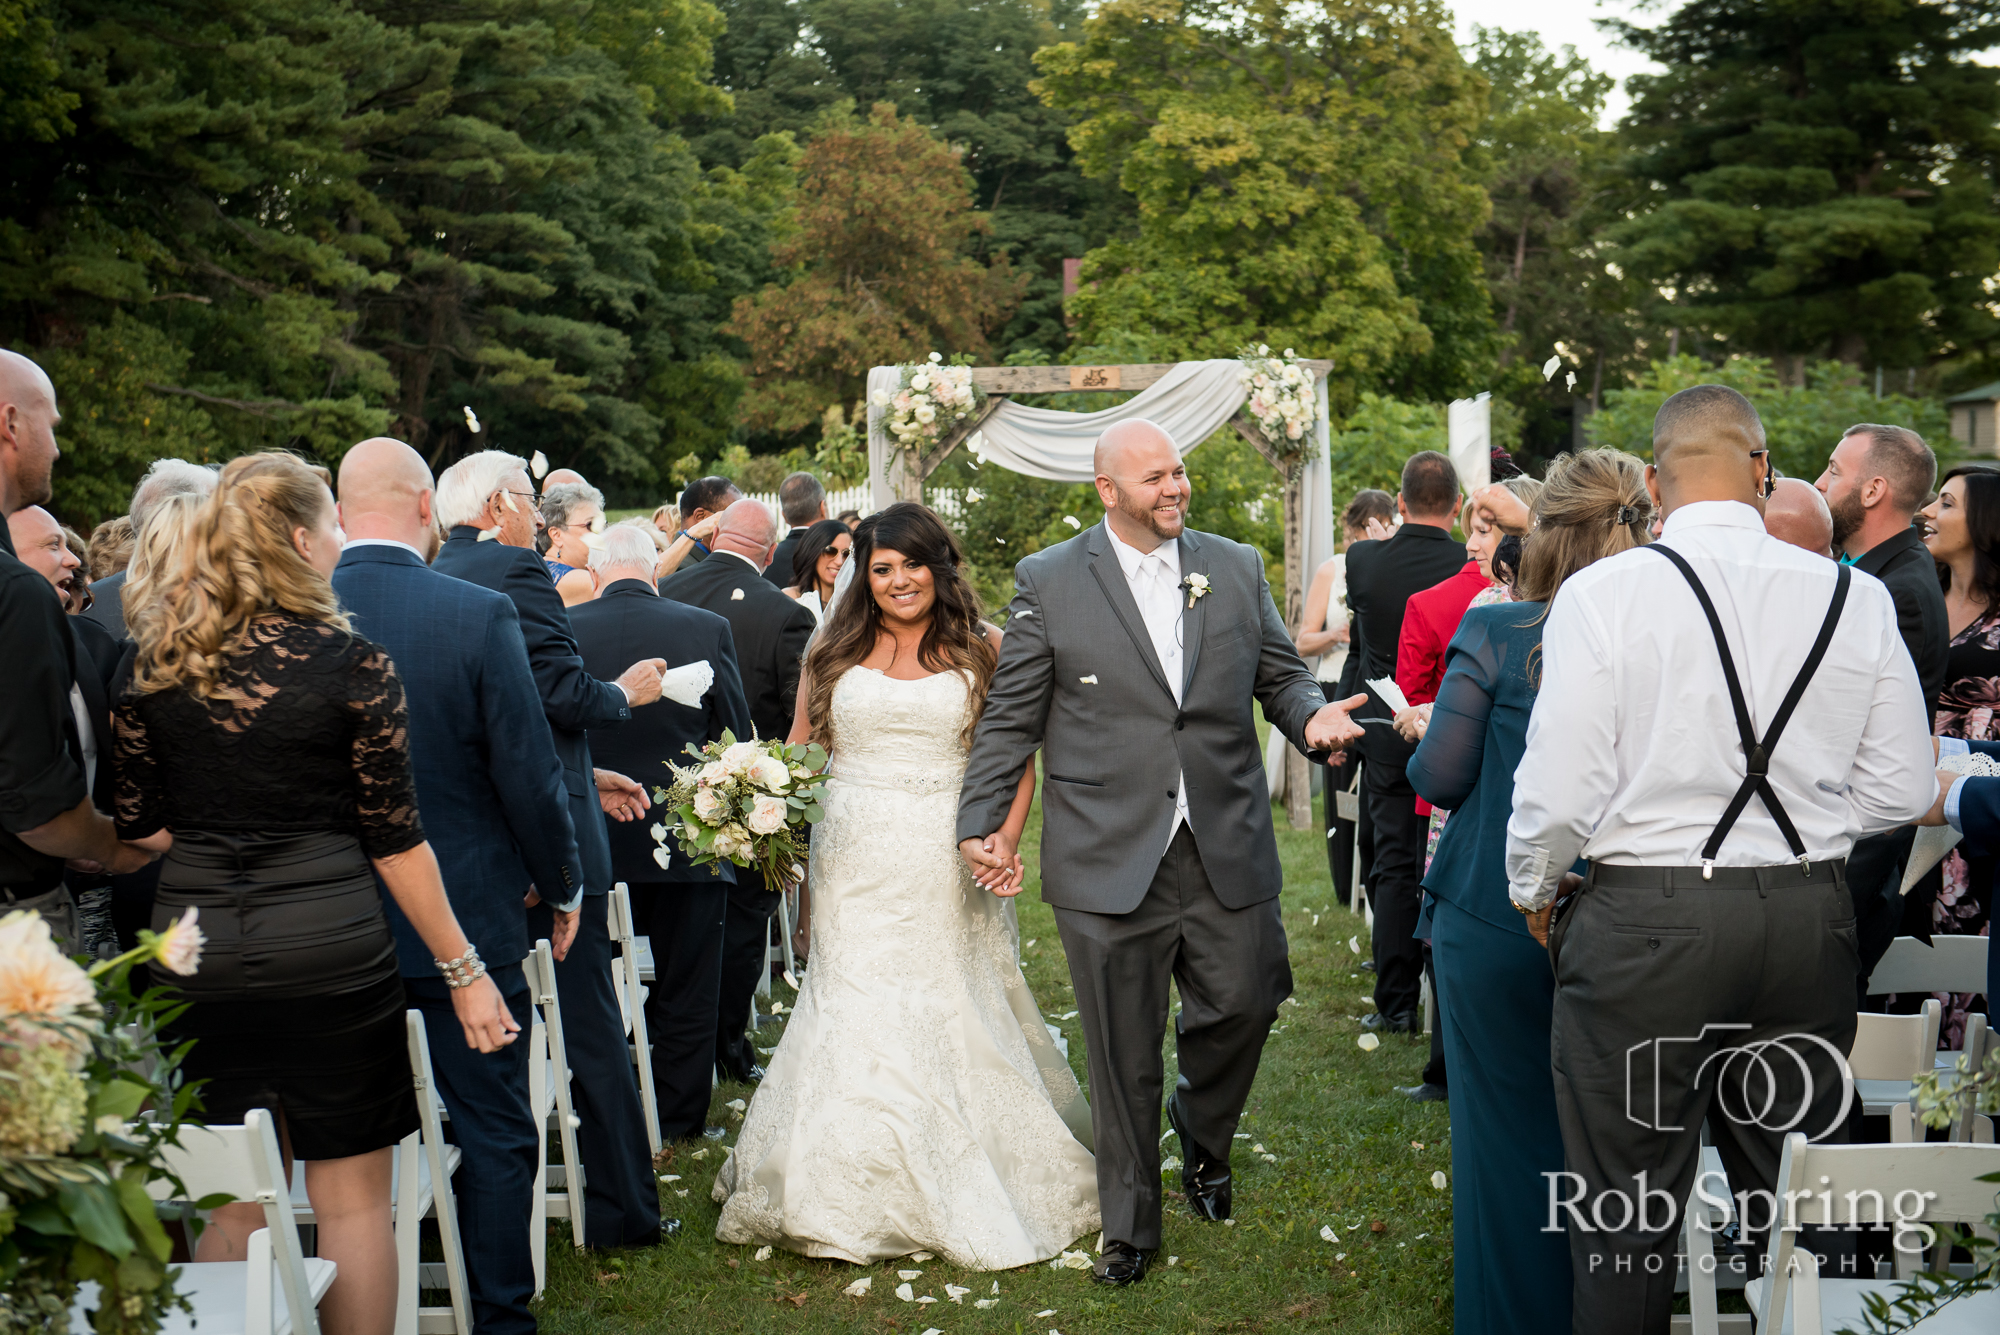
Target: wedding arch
{"type": "Point", "coordinates": [1190, 400]}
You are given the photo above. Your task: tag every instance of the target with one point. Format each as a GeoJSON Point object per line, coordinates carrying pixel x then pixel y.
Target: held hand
{"type": "Point", "coordinates": [565, 931]}
{"type": "Point", "coordinates": [1331, 729]}
{"type": "Point", "coordinates": [1413, 722]}
{"type": "Point", "coordinates": [982, 856]}
{"type": "Point", "coordinates": [489, 1026]}
{"type": "Point", "coordinates": [623, 799]}
{"type": "Point", "coordinates": [642, 680]}
{"type": "Point", "coordinates": [1935, 816]}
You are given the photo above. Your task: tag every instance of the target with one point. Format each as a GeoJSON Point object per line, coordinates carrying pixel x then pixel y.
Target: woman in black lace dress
{"type": "Point", "coordinates": [263, 747]}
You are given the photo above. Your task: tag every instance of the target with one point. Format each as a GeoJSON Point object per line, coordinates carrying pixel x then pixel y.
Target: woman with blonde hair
{"type": "Point", "coordinates": [1495, 990]}
{"type": "Point", "coordinates": [261, 746]}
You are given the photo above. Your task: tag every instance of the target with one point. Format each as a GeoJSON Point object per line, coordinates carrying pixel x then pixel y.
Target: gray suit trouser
{"type": "Point", "coordinates": [1233, 972]}
{"type": "Point", "coordinates": [1652, 980]}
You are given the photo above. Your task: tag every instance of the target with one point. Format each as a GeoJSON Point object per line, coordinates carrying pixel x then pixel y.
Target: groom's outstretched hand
{"type": "Point", "coordinates": [1331, 729]}
{"type": "Point", "coordinates": [994, 863]}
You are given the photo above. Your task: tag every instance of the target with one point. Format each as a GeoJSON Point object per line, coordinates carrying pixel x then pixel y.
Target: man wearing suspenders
{"type": "Point", "coordinates": [1720, 717]}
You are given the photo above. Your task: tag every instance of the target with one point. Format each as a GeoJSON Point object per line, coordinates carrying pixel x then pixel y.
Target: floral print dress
{"type": "Point", "coordinates": [1966, 708]}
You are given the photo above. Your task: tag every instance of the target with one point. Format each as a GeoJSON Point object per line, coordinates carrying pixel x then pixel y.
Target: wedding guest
{"type": "Point", "coordinates": [47, 816]}
{"type": "Point", "coordinates": [572, 513]}
{"type": "Point", "coordinates": [849, 518]}
{"type": "Point", "coordinates": [564, 477]}
{"type": "Point", "coordinates": [491, 793]}
{"type": "Point", "coordinates": [1963, 536]}
{"type": "Point", "coordinates": [816, 561]}
{"type": "Point", "coordinates": [110, 547]}
{"type": "Point", "coordinates": [1796, 513]}
{"type": "Point", "coordinates": [261, 747]}
{"type": "Point", "coordinates": [1371, 514]}
{"type": "Point", "coordinates": [770, 632]}
{"type": "Point", "coordinates": [666, 518]}
{"type": "Point", "coordinates": [490, 491]}
{"type": "Point", "coordinates": [802, 501]}
{"type": "Point", "coordinates": [703, 499]}
{"type": "Point", "coordinates": [681, 907]}
{"type": "Point", "coordinates": [1495, 992]}
{"type": "Point", "coordinates": [163, 478]}
{"type": "Point", "coordinates": [1971, 805]}
{"type": "Point", "coordinates": [1381, 576]}
{"type": "Point", "coordinates": [1875, 482]}
{"type": "Point", "coordinates": [1716, 852]}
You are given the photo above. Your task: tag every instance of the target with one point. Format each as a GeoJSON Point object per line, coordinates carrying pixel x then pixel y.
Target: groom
{"type": "Point", "coordinates": [1131, 658]}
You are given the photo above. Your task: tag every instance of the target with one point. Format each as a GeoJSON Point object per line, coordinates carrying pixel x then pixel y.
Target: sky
{"type": "Point", "coordinates": [1568, 23]}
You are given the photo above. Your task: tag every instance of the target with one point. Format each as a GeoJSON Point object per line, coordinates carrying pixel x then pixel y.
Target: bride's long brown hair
{"type": "Point", "coordinates": [955, 641]}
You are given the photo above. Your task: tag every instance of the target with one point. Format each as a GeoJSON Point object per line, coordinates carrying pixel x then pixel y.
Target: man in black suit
{"type": "Point", "coordinates": [770, 631]}
{"type": "Point", "coordinates": [682, 906]}
{"type": "Point", "coordinates": [803, 500]}
{"type": "Point", "coordinates": [1381, 576]}
{"type": "Point", "coordinates": [1876, 481]}
{"type": "Point", "coordinates": [491, 792]}
{"type": "Point", "coordinates": [490, 492]}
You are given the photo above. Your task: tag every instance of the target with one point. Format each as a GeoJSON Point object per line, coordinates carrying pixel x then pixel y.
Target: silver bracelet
{"type": "Point", "coordinates": [464, 971]}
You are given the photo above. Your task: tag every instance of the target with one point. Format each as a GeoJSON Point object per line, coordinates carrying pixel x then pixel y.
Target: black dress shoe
{"type": "Point", "coordinates": [1424, 1093]}
{"type": "Point", "coordinates": [1204, 1176]}
{"type": "Point", "coordinates": [667, 1229]}
{"type": "Point", "coordinates": [748, 1076]}
{"type": "Point", "coordinates": [1121, 1264]}
{"type": "Point", "coordinates": [706, 1133]}
{"type": "Point", "coordinates": [1406, 1023]}
{"type": "Point", "coordinates": [1368, 965]}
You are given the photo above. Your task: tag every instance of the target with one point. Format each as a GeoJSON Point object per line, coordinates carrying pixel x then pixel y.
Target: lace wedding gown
{"type": "Point", "coordinates": [916, 1101]}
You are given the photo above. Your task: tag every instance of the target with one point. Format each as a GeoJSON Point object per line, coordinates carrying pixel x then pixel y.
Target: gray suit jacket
{"type": "Point", "coordinates": [1111, 747]}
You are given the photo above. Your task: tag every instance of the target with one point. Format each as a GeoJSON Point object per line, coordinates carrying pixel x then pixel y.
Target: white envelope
{"type": "Point", "coordinates": [1391, 694]}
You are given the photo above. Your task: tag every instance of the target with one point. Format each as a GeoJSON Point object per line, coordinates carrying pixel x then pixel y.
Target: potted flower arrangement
{"type": "Point", "coordinates": [80, 1059]}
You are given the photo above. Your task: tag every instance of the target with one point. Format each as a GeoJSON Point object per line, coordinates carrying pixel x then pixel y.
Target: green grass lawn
{"type": "Point", "coordinates": [1351, 1153]}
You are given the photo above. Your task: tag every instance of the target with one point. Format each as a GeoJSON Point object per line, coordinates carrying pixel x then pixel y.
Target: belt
{"type": "Point", "coordinates": [14, 894]}
{"type": "Point", "coordinates": [1611, 876]}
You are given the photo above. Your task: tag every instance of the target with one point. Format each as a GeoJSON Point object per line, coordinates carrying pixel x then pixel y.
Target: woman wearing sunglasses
{"type": "Point", "coordinates": [573, 514]}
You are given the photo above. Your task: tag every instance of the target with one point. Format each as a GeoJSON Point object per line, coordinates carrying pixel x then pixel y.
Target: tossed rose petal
{"type": "Point", "coordinates": [763, 1254]}
{"type": "Point", "coordinates": [1438, 1179]}
{"type": "Point", "coordinates": [1327, 1234]}
{"type": "Point", "coordinates": [909, 1274]}
{"type": "Point", "coordinates": [906, 1293]}
{"type": "Point", "coordinates": [1368, 1042]}
{"type": "Point", "coordinates": [859, 1288]}
{"type": "Point", "coordinates": [663, 857]}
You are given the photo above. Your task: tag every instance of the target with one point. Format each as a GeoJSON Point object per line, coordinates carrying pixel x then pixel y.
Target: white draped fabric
{"type": "Point", "coordinates": [1189, 402]}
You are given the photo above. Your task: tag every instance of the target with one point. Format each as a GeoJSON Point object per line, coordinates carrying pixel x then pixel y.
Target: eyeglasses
{"type": "Point", "coordinates": [534, 496]}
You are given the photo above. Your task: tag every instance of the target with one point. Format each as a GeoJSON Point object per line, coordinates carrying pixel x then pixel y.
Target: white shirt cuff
{"type": "Point", "coordinates": [1953, 746]}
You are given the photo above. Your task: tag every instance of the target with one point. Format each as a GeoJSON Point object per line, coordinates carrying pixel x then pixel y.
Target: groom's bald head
{"type": "Point", "coordinates": [1142, 482]}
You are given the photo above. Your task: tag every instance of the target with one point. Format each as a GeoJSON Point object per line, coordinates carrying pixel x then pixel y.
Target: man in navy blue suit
{"type": "Point", "coordinates": [489, 510]}
{"type": "Point", "coordinates": [492, 799]}
{"type": "Point", "coordinates": [683, 906]}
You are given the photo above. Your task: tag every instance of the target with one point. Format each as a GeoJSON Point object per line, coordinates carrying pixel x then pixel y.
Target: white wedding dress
{"type": "Point", "coordinates": [916, 1102]}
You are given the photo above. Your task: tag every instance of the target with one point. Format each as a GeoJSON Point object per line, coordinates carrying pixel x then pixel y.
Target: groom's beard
{"type": "Point", "coordinates": [1153, 518]}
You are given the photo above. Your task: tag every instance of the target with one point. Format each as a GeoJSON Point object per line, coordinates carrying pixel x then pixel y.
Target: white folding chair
{"type": "Point", "coordinates": [277, 1289]}
{"type": "Point", "coordinates": [1901, 1184]}
{"type": "Point", "coordinates": [548, 1095]}
{"type": "Point", "coordinates": [419, 1189]}
{"type": "Point", "coordinates": [1890, 1051]}
{"type": "Point", "coordinates": [1947, 964]}
{"type": "Point", "coordinates": [1700, 1222]}
{"type": "Point", "coordinates": [631, 992]}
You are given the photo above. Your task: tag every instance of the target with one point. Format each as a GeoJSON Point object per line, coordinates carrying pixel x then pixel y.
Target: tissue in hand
{"type": "Point", "coordinates": [685, 685]}
{"type": "Point", "coordinates": [1391, 694]}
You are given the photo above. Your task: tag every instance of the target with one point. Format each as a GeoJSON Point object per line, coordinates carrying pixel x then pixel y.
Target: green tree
{"type": "Point", "coordinates": [879, 270]}
{"type": "Point", "coordinates": [1818, 177]}
{"type": "Point", "coordinates": [1300, 177]}
{"type": "Point", "coordinates": [1802, 423]}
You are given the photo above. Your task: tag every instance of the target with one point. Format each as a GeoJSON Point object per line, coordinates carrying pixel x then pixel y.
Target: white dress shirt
{"type": "Point", "coordinates": [1632, 751]}
{"type": "Point", "coordinates": [383, 542]}
{"type": "Point", "coordinates": [1155, 580]}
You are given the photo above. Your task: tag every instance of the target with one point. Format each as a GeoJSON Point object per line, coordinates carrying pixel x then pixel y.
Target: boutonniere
{"type": "Point", "coordinates": [1196, 586]}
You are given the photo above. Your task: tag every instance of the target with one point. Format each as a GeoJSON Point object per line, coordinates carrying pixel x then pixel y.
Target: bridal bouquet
{"type": "Point", "coordinates": [79, 1059]}
{"type": "Point", "coordinates": [1282, 398]}
{"type": "Point", "coordinates": [933, 398]}
{"type": "Point", "coordinates": [744, 802]}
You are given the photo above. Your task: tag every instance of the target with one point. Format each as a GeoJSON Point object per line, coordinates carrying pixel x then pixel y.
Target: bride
{"type": "Point", "coordinates": [916, 1101]}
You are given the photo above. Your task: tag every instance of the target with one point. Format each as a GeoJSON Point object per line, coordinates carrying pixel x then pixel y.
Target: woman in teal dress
{"type": "Point", "coordinates": [1495, 989]}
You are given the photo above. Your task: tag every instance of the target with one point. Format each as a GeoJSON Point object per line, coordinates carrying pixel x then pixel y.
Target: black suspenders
{"type": "Point", "coordinates": [1757, 753]}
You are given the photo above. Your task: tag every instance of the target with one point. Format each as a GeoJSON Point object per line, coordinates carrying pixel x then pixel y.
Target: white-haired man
{"type": "Point", "coordinates": [488, 508]}
{"type": "Point", "coordinates": [165, 478]}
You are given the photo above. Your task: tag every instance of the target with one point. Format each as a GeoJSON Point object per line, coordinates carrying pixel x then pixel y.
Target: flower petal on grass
{"type": "Point", "coordinates": [1438, 1179]}
{"type": "Point", "coordinates": [1327, 1234]}
{"type": "Point", "coordinates": [909, 1274]}
{"type": "Point", "coordinates": [906, 1293]}
{"type": "Point", "coordinates": [983, 1303]}
{"type": "Point", "coordinates": [956, 1292]}
{"type": "Point", "coordinates": [763, 1254]}
{"type": "Point", "coordinates": [1354, 944]}
{"type": "Point", "coordinates": [1368, 1042]}
{"type": "Point", "coordinates": [859, 1288]}
{"type": "Point", "coordinates": [920, 1257]}
{"type": "Point", "coordinates": [1168, 1164]}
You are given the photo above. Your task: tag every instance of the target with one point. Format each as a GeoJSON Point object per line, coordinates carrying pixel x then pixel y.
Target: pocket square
{"type": "Point", "coordinates": [686, 684]}
{"type": "Point", "coordinates": [1091, 680]}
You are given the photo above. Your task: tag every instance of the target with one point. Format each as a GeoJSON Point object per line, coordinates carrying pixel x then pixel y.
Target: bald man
{"type": "Point", "coordinates": [1715, 914]}
{"type": "Point", "coordinates": [563, 477]}
{"type": "Point", "coordinates": [491, 792]}
{"type": "Point", "coordinates": [47, 817]}
{"type": "Point", "coordinates": [770, 633]}
{"type": "Point", "coordinates": [1795, 512]}
{"type": "Point", "coordinates": [1131, 657]}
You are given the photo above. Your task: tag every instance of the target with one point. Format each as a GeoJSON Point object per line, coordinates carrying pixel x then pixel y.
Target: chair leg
{"type": "Point", "coordinates": [409, 1224]}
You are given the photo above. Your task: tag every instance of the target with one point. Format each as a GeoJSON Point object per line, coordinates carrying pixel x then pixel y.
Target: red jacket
{"type": "Point", "coordinates": [1429, 621]}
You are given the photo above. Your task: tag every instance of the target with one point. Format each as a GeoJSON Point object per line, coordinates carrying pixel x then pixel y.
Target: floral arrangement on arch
{"type": "Point", "coordinates": [1283, 401]}
{"type": "Point", "coordinates": [747, 803]}
{"type": "Point", "coordinates": [80, 1059]}
{"type": "Point", "coordinates": [933, 397]}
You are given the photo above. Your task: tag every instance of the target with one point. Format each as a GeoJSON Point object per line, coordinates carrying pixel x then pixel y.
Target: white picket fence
{"type": "Point", "coordinates": [847, 498]}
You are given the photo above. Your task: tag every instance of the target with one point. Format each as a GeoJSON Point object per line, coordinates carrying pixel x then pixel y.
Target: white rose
{"type": "Point", "coordinates": [1261, 381]}
{"type": "Point", "coordinates": [770, 773]}
{"type": "Point", "coordinates": [768, 817]}
{"type": "Point", "coordinates": [1294, 430]}
{"type": "Point", "coordinates": [1291, 375]}
{"type": "Point", "coordinates": [925, 414]}
{"type": "Point", "coordinates": [920, 382]}
{"type": "Point", "coordinates": [936, 357]}
{"type": "Point", "coordinates": [739, 758]}
{"type": "Point", "coordinates": [881, 398]}
{"type": "Point", "coordinates": [706, 803]}
{"type": "Point", "coordinates": [712, 772]}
